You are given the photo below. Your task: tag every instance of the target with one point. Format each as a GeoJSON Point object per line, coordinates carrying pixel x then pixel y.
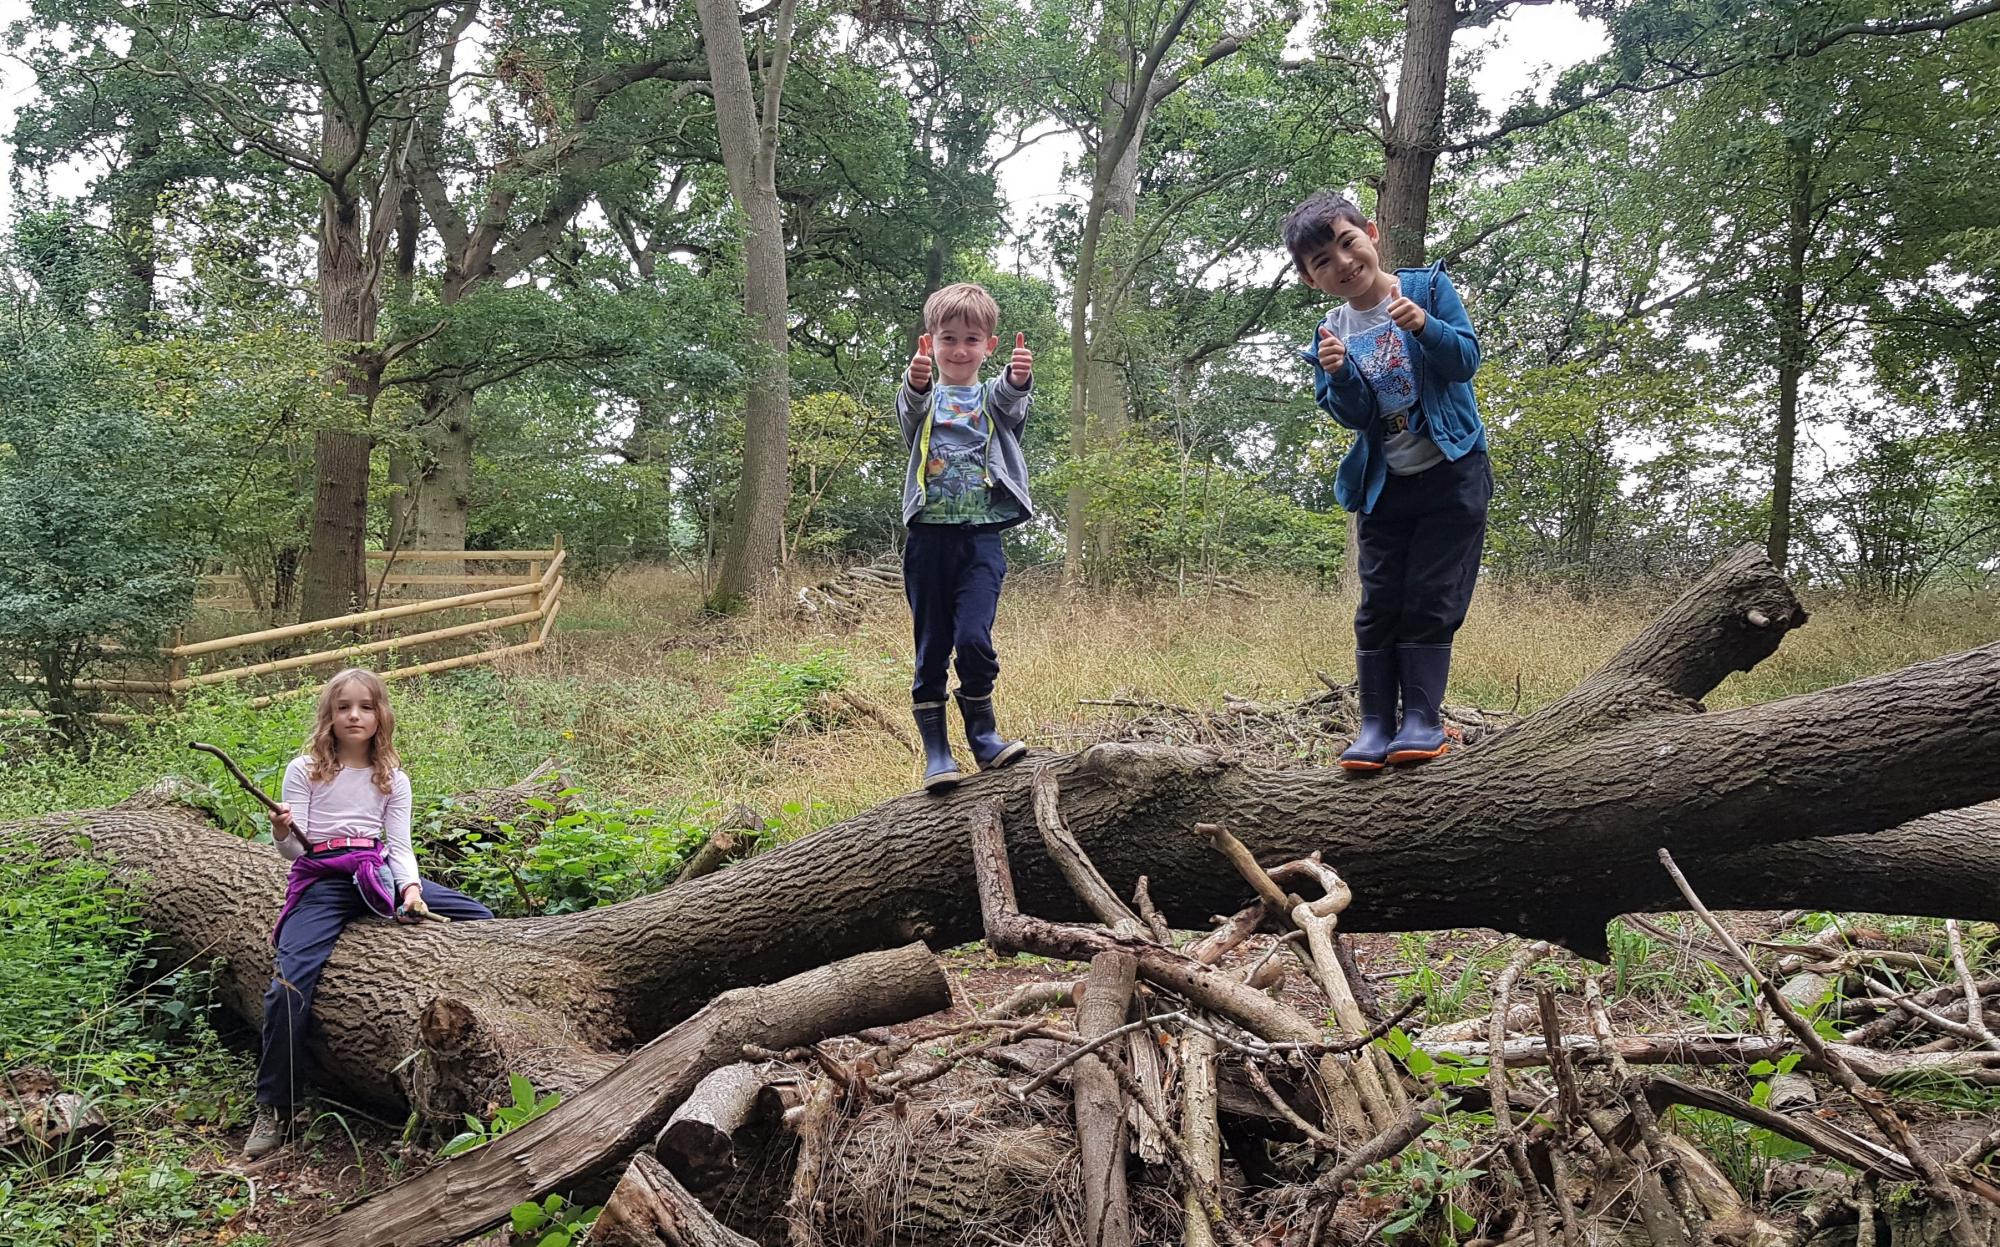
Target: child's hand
{"type": "Point", "coordinates": [282, 824]}
{"type": "Point", "coordinates": [1407, 315]}
{"type": "Point", "coordinates": [413, 909]}
{"type": "Point", "coordinates": [1023, 364]}
{"type": "Point", "coordinates": [1332, 351]}
{"type": "Point", "coordinates": [920, 365]}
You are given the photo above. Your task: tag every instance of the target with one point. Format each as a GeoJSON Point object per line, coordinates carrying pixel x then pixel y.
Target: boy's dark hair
{"type": "Point", "coordinates": [1311, 225]}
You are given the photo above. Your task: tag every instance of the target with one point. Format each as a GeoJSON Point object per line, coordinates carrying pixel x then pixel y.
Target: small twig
{"type": "Point", "coordinates": [1421, 1117]}
{"type": "Point", "coordinates": [1155, 921]}
{"type": "Point", "coordinates": [1082, 1050]}
{"type": "Point", "coordinates": [1314, 1135]}
{"type": "Point", "coordinates": [1930, 1017]}
{"type": "Point", "coordinates": [1289, 937]}
{"type": "Point", "coordinates": [1891, 1123]}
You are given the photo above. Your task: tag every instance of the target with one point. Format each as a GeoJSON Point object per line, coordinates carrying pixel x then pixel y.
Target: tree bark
{"type": "Point", "coordinates": [443, 481]}
{"type": "Point", "coordinates": [1410, 148]}
{"type": "Point", "coordinates": [1548, 830]}
{"type": "Point", "coordinates": [598, 1127]}
{"type": "Point", "coordinates": [650, 1209]}
{"type": "Point", "coordinates": [749, 156]}
{"type": "Point", "coordinates": [350, 306]}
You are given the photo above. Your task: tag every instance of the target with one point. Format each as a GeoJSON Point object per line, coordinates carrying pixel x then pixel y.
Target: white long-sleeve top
{"type": "Point", "coordinates": [350, 804]}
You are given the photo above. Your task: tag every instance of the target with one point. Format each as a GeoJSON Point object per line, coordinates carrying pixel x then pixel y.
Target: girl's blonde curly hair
{"type": "Point", "coordinates": [320, 746]}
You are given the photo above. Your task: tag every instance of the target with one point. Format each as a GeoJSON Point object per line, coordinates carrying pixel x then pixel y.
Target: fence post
{"type": "Point", "coordinates": [176, 665]}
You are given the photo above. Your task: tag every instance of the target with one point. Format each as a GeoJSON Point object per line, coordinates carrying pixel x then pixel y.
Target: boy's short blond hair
{"type": "Point", "coordinates": [967, 301]}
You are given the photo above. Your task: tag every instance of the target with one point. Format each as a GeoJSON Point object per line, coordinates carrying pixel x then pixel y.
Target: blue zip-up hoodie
{"type": "Point", "coordinates": [1444, 356]}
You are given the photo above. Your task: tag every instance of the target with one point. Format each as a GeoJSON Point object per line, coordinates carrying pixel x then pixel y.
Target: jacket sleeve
{"type": "Point", "coordinates": [297, 793]}
{"type": "Point", "coordinates": [1449, 344]}
{"type": "Point", "coordinates": [911, 407]}
{"type": "Point", "coordinates": [1008, 402]}
{"type": "Point", "coordinates": [1346, 395]}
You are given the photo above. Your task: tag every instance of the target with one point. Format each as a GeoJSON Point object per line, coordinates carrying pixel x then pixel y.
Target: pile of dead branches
{"type": "Point", "coordinates": [845, 597]}
{"type": "Point", "coordinates": [1174, 1091]}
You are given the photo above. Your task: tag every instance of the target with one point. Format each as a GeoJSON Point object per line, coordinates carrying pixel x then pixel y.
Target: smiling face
{"type": "Point", "coordinates": [961, 347]}
{"type": "Point", "coordinates": [1349, 266]}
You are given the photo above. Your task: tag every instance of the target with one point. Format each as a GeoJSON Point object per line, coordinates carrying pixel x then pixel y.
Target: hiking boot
{"type": "Point", "coordinates": [940, 768]}
{"type": "Point", "coordinates": [1422, 670]}
{"type": "Point", "coordinates": [1375, 684]}
{"type": "Point", "coordinates": [990, 749]}
{"type": "Point", "coordinates": [267, 1132]}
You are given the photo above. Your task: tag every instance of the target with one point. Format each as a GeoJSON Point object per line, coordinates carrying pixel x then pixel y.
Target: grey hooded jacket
{"type": "Point", "coordinates": [1009, 407]}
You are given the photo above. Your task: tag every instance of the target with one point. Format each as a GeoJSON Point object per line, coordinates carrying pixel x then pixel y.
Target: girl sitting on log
{"type": "Point", "coordinates": [345, 827]}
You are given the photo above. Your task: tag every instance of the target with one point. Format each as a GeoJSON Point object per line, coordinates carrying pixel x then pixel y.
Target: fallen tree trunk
{"type": "Point", "coordinates": [598, 1127]}
{"type": "Point", "coordinates": [1548, 830]}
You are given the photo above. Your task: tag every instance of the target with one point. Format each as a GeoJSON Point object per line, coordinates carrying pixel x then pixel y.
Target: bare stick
{"type": "Point", "coordinates": [1198, 1127]}
{"type": "Point", "coordinates": [1650, 1135]}
{"type": "Point", "coordinates": [237, 771]}
{"type": "Point", "coordinates": [1975, 1012]}
{"type": "Point", "coordinates": [1872, 1102]}
{"type": "Point", "coordinates": [1559, 1064]}
{"type": "Point", "coordinates": [1496, 1084]}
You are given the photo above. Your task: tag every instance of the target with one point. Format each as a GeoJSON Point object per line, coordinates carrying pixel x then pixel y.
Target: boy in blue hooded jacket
{"type": "Point", "coordinates": [1393, 361]}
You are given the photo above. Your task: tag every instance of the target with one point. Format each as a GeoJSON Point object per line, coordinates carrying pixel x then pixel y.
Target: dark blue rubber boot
{"type": "Point", "coordinates": [940, 768]}
{"type": "Point", "coordinates": [1375, 679]}
{"type": "Point", "coordinates": [990, 749]}
{"type": "Point", "coordinates": [1423, 670]}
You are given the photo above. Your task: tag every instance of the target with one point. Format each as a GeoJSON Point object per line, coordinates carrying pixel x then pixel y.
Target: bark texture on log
{"type": "Point", "coordinates": [592, 1130]}
{"type": "Point", "coordinates": [1549, 830]}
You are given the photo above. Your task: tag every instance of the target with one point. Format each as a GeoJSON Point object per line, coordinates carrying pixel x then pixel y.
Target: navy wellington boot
{"type": "Point", "coordinates": [989, 748]}
{"type": "Point", "coordinates": [1423, 670]}
{"type": "Point", "coordinates": [940, 768]}
{"type": "Point", "coordinates": [1375, 679]}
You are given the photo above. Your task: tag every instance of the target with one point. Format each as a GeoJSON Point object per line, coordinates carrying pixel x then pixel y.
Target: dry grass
{"type": "Point", "coordinates": [639, 675]}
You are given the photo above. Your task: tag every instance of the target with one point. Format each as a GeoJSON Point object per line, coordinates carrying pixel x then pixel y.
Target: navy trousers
{"type": "Point", "coordinates": [1420, 550]}
{"type": "Point", "coordinates": [951, 577]}
{"type": "Point", "coordinates": [284, 1065]}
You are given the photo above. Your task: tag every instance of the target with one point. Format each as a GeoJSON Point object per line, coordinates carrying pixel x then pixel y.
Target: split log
{"type": "Point", "coordinates": [1100, 1103]}
{"type": "Point", "coordinates": [594, 1130]}
{"type": "Point", "coordinates": [1548, 830]}
{"type": "Point", "coordinates": [699, 1144]}
{"type": "Point", "coordinates": [650, 1209]}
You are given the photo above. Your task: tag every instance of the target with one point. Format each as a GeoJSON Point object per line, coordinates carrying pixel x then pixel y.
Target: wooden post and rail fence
{"type": "Point", "coordinates": [541, 587]}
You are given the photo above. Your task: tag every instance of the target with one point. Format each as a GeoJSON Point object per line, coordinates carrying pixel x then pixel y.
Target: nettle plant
{"type": "Point", "coordinates": [554, 860]}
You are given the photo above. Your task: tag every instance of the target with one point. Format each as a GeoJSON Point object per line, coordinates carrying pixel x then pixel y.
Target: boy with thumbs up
{"type": "Point", "coordinates": [967, 482]}
{"type": "Point", "coordinates": [1393, 360]}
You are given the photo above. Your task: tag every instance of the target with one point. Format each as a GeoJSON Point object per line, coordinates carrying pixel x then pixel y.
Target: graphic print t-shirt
{"type": "Point", "coordinates": [1383, 354]}
{"type": "Point", "coordinates": [956, 490]}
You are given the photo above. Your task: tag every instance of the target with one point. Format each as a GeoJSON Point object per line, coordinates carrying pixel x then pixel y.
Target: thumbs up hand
{"type": "Point", "coordinates": [920, 365]}
{"type": "Point", "coordinates": [1022, 366]}
{"type": "Point", "coordinates": [1332, 351]}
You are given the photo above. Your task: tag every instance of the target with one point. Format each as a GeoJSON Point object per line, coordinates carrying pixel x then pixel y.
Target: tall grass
{"type": "Point", "coordinates": [643, 698]}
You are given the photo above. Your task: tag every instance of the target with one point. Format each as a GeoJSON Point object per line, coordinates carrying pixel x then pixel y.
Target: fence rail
{"type": "Point", "coordinates": [542, 586]}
